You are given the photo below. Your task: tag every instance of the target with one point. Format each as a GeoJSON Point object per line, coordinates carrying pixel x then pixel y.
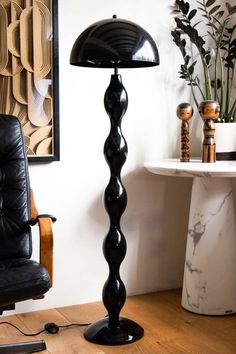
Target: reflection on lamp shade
{"type": "Point", "coordinates": [114, 43]}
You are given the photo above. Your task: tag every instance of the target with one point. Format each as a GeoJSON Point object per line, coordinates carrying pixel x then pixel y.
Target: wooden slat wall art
{"type": "Point", "coordinates": [26, 71]}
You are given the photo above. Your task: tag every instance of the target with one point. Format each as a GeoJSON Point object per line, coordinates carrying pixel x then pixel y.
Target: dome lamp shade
{"type": "Point", "coordinates": [114, 43]}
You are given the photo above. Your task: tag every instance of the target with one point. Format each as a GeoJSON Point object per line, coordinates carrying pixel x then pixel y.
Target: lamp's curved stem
{"type": "Point", "coordinates": [115, 199]}
{"type": "Point", "coordinates": [115, 330]}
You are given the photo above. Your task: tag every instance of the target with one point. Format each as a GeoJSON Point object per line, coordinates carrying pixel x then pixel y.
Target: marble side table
{"type": "Point", "coordinates": [209, 285]}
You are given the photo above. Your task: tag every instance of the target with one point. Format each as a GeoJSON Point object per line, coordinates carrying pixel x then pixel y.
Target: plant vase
{"type": "Point", "coordinates": [225, 138]}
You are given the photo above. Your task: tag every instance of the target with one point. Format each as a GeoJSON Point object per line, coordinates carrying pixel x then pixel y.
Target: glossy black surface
{"type": "Point", "coordinates": [114, 330]}
{"type": "Point", "coordinates": [114, 42]}
{"type": "Point", "coordinates": [115, 199]}
{"type": "Point", "coordinates": [127, 332]}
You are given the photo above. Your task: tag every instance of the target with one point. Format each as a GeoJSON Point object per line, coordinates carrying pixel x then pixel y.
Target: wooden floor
{"type": "Point", "coordinates": [168, 328]}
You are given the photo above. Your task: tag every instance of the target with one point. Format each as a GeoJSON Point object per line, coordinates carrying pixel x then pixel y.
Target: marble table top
{"type": "Point", "coordinates": [195, 168]}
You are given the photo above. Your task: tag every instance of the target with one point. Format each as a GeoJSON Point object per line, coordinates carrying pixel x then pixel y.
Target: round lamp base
{"type": "Point", "coordinates": [127, 332]}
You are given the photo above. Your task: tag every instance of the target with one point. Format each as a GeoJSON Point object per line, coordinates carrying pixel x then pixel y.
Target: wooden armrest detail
{"type": "Point", "coordinates": [46, 236]}
{"type": "Point", "coordinates": [46, 245]}
{"type": "Point", "coordinates": [33, 210]}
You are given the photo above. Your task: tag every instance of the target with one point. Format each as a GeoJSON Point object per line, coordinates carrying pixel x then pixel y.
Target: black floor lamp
{"type": "Point", "coordinates": [114, 43]}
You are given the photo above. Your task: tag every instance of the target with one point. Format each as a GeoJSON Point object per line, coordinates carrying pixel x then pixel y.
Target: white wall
{"type": "Point", "coordinates": [155, 220]}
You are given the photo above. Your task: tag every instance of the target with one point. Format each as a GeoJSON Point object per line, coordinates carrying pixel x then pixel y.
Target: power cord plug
{"type": "Point", "coordinates": [51, 328]}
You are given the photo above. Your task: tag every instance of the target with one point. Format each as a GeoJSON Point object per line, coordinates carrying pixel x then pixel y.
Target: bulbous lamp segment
{"type": "Point", "coordinates": [114, 43]}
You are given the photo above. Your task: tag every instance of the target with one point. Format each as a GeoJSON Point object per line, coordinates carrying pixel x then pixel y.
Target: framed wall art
{"type": "Point", "coordinates": [29, 87]}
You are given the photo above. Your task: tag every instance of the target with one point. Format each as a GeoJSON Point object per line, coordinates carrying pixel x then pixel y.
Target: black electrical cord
{"type": "Point", "coordinates": [50, 327]}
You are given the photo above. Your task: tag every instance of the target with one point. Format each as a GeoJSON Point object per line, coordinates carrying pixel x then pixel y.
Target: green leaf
{"type": "Point", "coordinates": [216, 20]}
{"type": "Point", "coordinates": [232, 10]}
{"type": "Point", "coordinates": [233, 43]}
{"type": "Point", "coordinates": [186, 59]}
{"type": "Point", "coordinates": [210, 2]}
{"type": "Point", "coordinates": [196, 24]}
{"type": "Point", "coordinates": [199, 8]}
{"type": "Point", "coordinates": [226, 36]}
{"type": "Point", "coordinates": [202, 6]}
{"type": "Point", "coordinates": [186, 8]}
{"type": "Point", "coordinates": [212, 25]}
{"type": "Point", "coordinates": [231, 30]}
{"type": "Point", "coordinates": [191, 68]}
{"type": "Point", "coordinates": [179, 23]}
{"type": "Point", "coordinates": [228, 6]}
{"type": "Point", "coordinates": [211, 35]}
{"type": "Point", "coordinates": [219, 14]}
{"type": "Point", "coordinates": [214, 9]}
{"type": "Point", "coordinates": [192, 14]}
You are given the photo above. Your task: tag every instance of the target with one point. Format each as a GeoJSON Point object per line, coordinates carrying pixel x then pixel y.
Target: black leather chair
{"type": "Point", "coordinates": [20, 277]}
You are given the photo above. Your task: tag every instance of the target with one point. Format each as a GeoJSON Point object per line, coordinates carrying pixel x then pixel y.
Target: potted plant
{"type": "Point", "coordinates": [206, 37]}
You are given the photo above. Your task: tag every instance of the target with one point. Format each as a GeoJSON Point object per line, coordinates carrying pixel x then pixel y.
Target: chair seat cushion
{"type": "Point", "coordinates": [22, 279]}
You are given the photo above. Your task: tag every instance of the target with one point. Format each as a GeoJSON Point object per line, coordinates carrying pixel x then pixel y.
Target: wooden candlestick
{"type": "Point", "coordinates": [184, 113]}
{"type": "Point", "coordinates": [209, 111]}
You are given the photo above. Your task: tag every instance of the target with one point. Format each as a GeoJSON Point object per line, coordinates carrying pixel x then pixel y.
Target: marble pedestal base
{"type": "Point", "coordinates": [209, 285]}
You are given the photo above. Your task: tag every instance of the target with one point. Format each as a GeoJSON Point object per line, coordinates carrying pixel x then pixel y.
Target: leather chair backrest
{"type": "Point", "coordinates": [15, 235]}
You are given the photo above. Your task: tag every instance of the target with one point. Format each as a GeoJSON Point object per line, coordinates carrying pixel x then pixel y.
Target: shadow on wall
{"type": "Point", "coordinates": [155, 225]}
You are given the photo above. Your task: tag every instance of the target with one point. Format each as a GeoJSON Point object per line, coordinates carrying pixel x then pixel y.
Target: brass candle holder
{"type": "Point", "coordinates": [209, 111]}
{"type": "Point", "coordinates": [184, 113]}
